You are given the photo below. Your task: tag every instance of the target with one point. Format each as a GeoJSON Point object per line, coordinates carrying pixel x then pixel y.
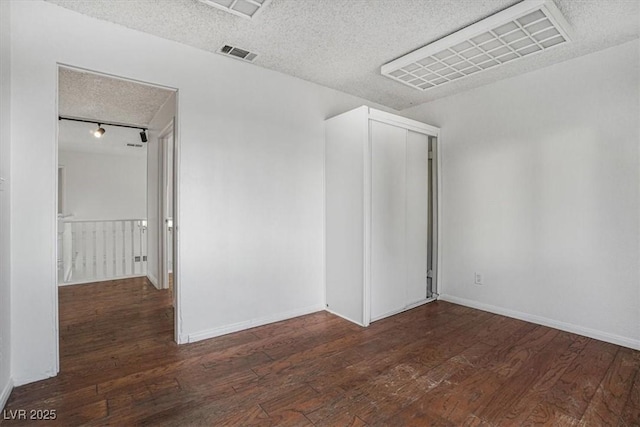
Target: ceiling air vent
{"type": "Point", "coordinates": [529, 27]}
{"type": "Point", "coordinates": [245, 8]}
{"type": "Point", "coordinates": [237, 53]}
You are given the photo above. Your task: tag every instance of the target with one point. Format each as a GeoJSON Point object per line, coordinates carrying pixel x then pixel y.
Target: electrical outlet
{"type": "Point", "coordinates": [478, 279]}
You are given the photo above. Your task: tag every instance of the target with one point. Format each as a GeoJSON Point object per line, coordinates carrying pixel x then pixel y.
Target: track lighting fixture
{"type": "Point", "coordinates": [99, 132]}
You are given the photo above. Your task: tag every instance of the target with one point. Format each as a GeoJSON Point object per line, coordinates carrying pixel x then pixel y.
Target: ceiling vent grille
{"type": "Point", "coordinates": [236, 52]}
{"type": "Point", "coordinates": [529, 27]}
{"type": "Point", "coordinates": [245, 8]}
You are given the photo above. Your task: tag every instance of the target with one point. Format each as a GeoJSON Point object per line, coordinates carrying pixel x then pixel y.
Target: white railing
{"type": "Point", "coordinates": [96, 250]}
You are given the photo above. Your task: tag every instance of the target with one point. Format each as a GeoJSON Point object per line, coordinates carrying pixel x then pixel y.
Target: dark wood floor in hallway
{"type": "Point", "coordinates": [438, 364]}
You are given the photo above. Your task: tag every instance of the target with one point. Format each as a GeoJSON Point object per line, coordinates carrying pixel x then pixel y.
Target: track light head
{"type": "Point", "coordinates": [143, 135]}
{"type": "Point", "coordinates": [99, 132]}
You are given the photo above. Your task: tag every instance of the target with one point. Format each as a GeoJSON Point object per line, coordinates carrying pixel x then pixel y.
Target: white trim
{"type": "Point", "coordinates": [102, 220]}
{"type": "Point", "coordinates": [55, 328]}
{"type": "Point", "coordinates": [153, 279]}
{"type": "Point", "coordinates": [182, 339]}
{"type": "Point", "coordinates": [439, 276]}
{"type": "Point", "coordinates": [111, 76]}
{"type": "Point", "coordinates": [324, 218]}
{"type": "Point", "coordinates": [33, 377]}
{"type": "Point", "coordinates": [163, 137]}
{"type": "Point", "coordinates": [6, 392]}
{"type": "Point", "coordinates": [366, 216]}
{"type": "Point", "coordinates": [403, 122]}
{"type": "Point", "coordinates": [61, 197]}
{"type": "Point", "coordinates": [177, 279]}
{"type": "Point", "coordinates": [346, 318]}
{"type": "Point", "coordinates": [544, 321]}
{"type": "Point", "coordinates": [403, 309]}
{"type": "Point", "coordinates": [84, 282]}
{"type": "Point", "coordinates": [252, 323]}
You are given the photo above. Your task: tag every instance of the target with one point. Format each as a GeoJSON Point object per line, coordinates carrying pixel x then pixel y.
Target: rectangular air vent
{"type": "Point", "coordinates": [236, 52]}
{"type": "Point", "coordinates": [529, 27]}
{"type": "Point", "coordinates": [245, 8]}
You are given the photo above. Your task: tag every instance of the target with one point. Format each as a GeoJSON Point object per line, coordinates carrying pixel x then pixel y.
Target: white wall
{"type": "Point", "coordinates": [251, 210]}
{"type": "Point", "coordinates": [5, 230]}
{"type": "Point", "coordinates": [158, 124]}
{"type": "Point", "coordinates": [540, 194]}
{"type": "Point", "coordinates": [104, 186]}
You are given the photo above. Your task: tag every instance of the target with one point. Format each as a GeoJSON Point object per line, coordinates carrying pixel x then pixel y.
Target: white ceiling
{"type": "Point", "coordinates": [342, 43]}
{"type": "Point", "coordinates": [104, 99]}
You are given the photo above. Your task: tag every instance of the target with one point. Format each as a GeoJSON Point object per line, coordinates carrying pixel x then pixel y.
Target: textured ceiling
{"type": "Point", "coordinates": [342, 43]}
{"type": "Point", "coordinates": [93, 96]}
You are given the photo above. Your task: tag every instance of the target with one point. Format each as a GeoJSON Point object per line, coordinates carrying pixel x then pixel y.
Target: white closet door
{"type": "Point", "coordinates": [388, 219]}
{"type": "Point", "coordinates": [417, 216]}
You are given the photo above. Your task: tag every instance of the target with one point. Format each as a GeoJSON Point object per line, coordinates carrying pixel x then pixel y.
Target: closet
{"type": "Point", "coordinates": [380, 208]}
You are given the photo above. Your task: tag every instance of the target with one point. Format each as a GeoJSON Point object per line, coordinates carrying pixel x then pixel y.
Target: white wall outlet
{"type": "Point", "coordinates": [478, 279]}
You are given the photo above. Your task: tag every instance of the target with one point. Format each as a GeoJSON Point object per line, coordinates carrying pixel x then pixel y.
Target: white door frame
{"type": "Point", "coordinates": [167, 132]}
{"type": "Point", "coordinates": [171, 130]}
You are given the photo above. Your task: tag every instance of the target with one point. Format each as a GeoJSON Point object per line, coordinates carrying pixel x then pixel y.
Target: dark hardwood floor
{"type": "Point", "coordinates": [439, 364]}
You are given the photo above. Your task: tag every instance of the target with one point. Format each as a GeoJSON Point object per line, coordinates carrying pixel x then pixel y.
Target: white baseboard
{"type": "Point", "coordinates": [84, 282]}
{"type": "Point", "coordinates": [183, 339]}
{"type": "Point", "coordinates": [252, 323]}
{"type": "Point", "coordinates": [154, 280]}
{"type": "Point", "coordinates": [31, 377]}
{"type": "Point", "coordinates": [346, 318]}
{"type": "Point", "coordinates": [67, 273]}
{"type": "Point", "coordinates": [4, 394]}
{"type": "Point", "coordinates": [400, 310]}
{"type": "Point", "coordinates": [556, 324]}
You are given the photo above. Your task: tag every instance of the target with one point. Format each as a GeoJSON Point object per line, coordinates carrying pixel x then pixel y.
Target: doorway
{"type": "Point", "coordinates": [113, 164]}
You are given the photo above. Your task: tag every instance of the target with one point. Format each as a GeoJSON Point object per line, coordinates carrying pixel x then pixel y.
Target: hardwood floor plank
{"type": "Point", "coordinates": [630, 417]}
{"type": "Point", "coordinates": [382, 402]}
{"type": "Point", "coordinates": [463, 392]}
{"type": "Point", "coordinates": [438, 364]}
{"type": "Point", "coordinates": [389, 404]}
{"type": "Point", "coordinates": [607, 404]}
{"type": "Point", "coordinates": [505, 402]}
{"type": "Point", "coordinates": [634, 396]}
{"type": "Point", "coordinates": [563, 357]}
{"type": "Point", "coordinates": [83, 414]}
{"type": "Point", "coordinates": [570, 395]}
{"type": "Point", "coordinates": [254, 416]}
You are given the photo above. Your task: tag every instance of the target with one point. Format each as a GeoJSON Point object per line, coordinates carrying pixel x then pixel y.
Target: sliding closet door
{"type": "Point", "coordinates": [388, 221]}
{"type": "Point", "coordinates": [417, 216]}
